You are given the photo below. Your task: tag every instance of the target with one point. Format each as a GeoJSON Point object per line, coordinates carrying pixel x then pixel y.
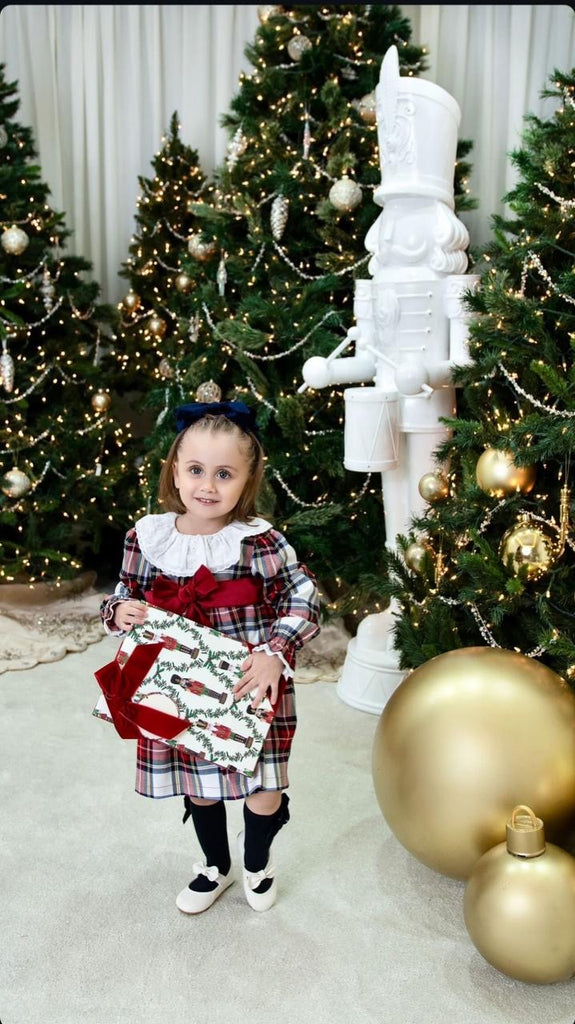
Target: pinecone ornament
{"type": "Point", "coordinates": [279, 216]}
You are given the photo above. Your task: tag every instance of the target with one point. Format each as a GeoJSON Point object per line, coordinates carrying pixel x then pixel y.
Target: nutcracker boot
{"type": "Point", "coordinates": [213, 875]}
{"type": "Point", "coordinates": [260, 886]}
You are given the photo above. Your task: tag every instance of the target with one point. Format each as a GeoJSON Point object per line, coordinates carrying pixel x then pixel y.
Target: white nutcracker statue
{"type": "Point", "coordinates": [410, 331]}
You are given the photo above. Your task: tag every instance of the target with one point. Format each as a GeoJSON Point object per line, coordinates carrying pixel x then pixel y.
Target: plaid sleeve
{"type": "Point", "coordinates": [136, 575]}
{"type": "Point", "coordinates": [290, 589]}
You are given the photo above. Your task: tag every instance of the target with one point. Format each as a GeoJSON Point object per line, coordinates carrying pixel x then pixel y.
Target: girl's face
{"type": "Point", "coordinates": [210, 473]}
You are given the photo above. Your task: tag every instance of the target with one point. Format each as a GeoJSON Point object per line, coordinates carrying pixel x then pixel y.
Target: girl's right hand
{"type": "Point", "coordinates": [128, 614]}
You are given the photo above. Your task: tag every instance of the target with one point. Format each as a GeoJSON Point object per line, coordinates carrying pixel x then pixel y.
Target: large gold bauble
{"type": "Point", "coordinates": [184, 283]}
{"type": "Point", "coordinates": [519, 905]}
{"type": "Point", "coordinates": [157, 326]}
{"type": "Point", "coordinates": [497, 474]}
{"type": "Point", "coordinates": [433, 487]}
{"type": "Point", "coordinates": [529, 544]}
{"type": "Point", "coordinates": [15, 483]}
{"type": "Point", "coordinates": [464, 738]}
{"type": "Point", "coordinates": [415, 555]}
{"type": "Point", "coordinates": [131, 301]}
{"type": "Point", "coordinates": [101, 401]}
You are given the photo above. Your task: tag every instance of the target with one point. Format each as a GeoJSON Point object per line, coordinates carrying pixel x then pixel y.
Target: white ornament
{"type": "Point", "coordinates": [14, 240]}
{"type": "Point", "coordinates": [236, 147]}
{"type": "Point", "coordinates": [345, 195]}
{"type": "Point", "coordinates": [15, 483]}
{"type": "Point", "coordinates": [366, 108]}
{"type": "Point", "coordinates": [47, 289]}
{"type": "Point", "coordinates": [266, 11]}
{"type": "Point", "coordinates": [297, 46]}
{"type": "Point", "coordinates": [279, 216]}
{"type": "Point", "coordinates": [3, 136]}
{"type": "Point", "coordinates": [307, 139]}
{"type": "Point", "coordinates": [222, 276]}
{"type": "Point", "coordinates": [6, 367]}
{"type": "Point", "coordinates": [199, 249]}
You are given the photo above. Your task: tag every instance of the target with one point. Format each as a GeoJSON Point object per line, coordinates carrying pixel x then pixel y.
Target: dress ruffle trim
{"type": "Point", "coordinates": [181, 554]}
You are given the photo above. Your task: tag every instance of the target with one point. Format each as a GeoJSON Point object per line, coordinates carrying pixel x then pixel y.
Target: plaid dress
{"type": "Point", "coordinates": [285, 619]}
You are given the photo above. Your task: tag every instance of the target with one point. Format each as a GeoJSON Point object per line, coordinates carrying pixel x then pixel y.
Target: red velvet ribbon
{"type": "Point", "coordinates": [119, 683]}
{"type": "Point", "coordinates": [203, 591]}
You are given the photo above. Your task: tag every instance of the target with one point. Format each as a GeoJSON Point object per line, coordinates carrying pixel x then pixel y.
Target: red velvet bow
{"type": "Point", "coordinates": [119, 683]}
{"type": "Point", "coordinates": [203, 591]}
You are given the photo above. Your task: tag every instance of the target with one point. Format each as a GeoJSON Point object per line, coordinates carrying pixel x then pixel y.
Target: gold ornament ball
{"type": "Point", "coordinates": [165, 368]}
{"type": "Point", "coordinates": [498, 476]}
{"type": "Point", "coordinates": [297, 46]}
{"type": "Point", "coordinates": [366, 108]}
{"type": "Point", "coordinates": [266, 11]}
{"type": "Point", "coordinates": [157, 326]}
{"type": "Point", "coordinates": [131, 301]}
{"type": "Point", "coordinates": [201, 250]}
{"type": "Point", "coordinates": [101, 401]}
{"type": "Point", "coordinates": [519, 904]}
{"type": "Point", "coordinates": [345, 195]}
{"type": "Point", "coordinates": [415, 555]}
{"type": "Point", "coordinates": [464, 738]}
{"type": "Point", "coordinates": [433, 487]}
{"type": "Point", "coordinates": [184, 283]}
{"type": "Point", "coordinates": [14, 240]}
{"type": "Point", "coordinates": [15, 483]}
{"type": "Point", "coordinates": [209, 391]}
{"type": "Point", "coordinates": [531, 545]}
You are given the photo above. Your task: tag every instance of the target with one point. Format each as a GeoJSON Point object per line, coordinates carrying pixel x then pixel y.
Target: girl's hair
{"type": "Point", "coordinates": [246, 506]}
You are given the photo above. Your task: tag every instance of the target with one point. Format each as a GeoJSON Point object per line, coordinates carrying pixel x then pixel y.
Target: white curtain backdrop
{"type": "Point", "coordinates": [98, 85]}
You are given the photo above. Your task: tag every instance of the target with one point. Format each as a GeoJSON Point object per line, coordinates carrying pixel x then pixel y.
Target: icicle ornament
{"type": "Point", "coordinates": [222, 275]}
{"type": "Point", "coordinates": [6, 367]}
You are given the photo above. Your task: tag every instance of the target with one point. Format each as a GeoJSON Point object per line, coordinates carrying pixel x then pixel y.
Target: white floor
{"type": "Point", "coordinates": [361, 932]}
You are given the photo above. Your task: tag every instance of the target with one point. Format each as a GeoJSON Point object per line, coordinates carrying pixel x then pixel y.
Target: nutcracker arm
{"type": "Point", "coordinates": [321, 371]}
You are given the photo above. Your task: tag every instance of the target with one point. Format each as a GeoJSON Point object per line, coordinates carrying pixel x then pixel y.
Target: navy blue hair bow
{"type": "Point", "coordinates": [237, 412]}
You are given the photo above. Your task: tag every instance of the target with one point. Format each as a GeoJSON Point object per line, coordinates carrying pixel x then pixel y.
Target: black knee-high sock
{"type": "Point", "coordinates": [259, 835]}
{"type": "Point", "coordinates": [210, 824]}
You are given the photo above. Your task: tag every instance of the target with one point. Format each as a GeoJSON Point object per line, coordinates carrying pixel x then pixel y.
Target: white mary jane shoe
{"type": "Point", "coordinates": [251, 879]}
{"type": "Point", "coordinates": [189, 901]}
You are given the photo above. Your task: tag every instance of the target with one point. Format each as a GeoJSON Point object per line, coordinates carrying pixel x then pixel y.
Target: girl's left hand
{"type": "Point", "coordinates": [261, 672]}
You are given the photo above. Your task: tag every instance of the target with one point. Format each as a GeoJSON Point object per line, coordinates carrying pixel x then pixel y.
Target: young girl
{"type": "Point", "coordinates": [262, 596]}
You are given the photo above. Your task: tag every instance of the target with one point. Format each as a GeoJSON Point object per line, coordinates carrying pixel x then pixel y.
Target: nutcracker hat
{"type": "Point", "coordinates": [417, 123]}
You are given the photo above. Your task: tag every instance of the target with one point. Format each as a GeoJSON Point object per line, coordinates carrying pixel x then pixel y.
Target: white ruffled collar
{"type": "Point", "coordinates": [181, 554]}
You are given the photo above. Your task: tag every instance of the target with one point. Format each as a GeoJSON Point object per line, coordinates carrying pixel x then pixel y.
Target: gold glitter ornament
{"type": "Point", "coordinates": [209, 391]}
{"type": "Point", "coordinates": [14, 240]}
{"type": "Point", "coordinates": [366, 108]}
{"type": "Point", "coordinates": [266, 11]}
{"type": "Point", "coordinates": [345, 195]}
{"type": "Point", "coordinates": [101, 401]}
{"type": "Point", "coordinates": [297, 46]}
{"type": "Point", "coordinates": [201, 250]}
{"type": "Point", "coordinates": [165, 368]}
{"type": "Point", "coordinates": [529, 544]}
{"type": "Point", "coordinates": [498, 476]}
{"type": "Point", "coordinates": [15, 483]}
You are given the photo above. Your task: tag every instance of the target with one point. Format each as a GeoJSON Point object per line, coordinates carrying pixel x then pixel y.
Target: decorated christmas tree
{"type": "Point", "coordinates": [63, 457]}
{"type": "Point", "coordinates": [155, 324]}
{"type": "Point", "coordinates": [287, 221]}
{"type": "Point", "coordinates": [491, 561]}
